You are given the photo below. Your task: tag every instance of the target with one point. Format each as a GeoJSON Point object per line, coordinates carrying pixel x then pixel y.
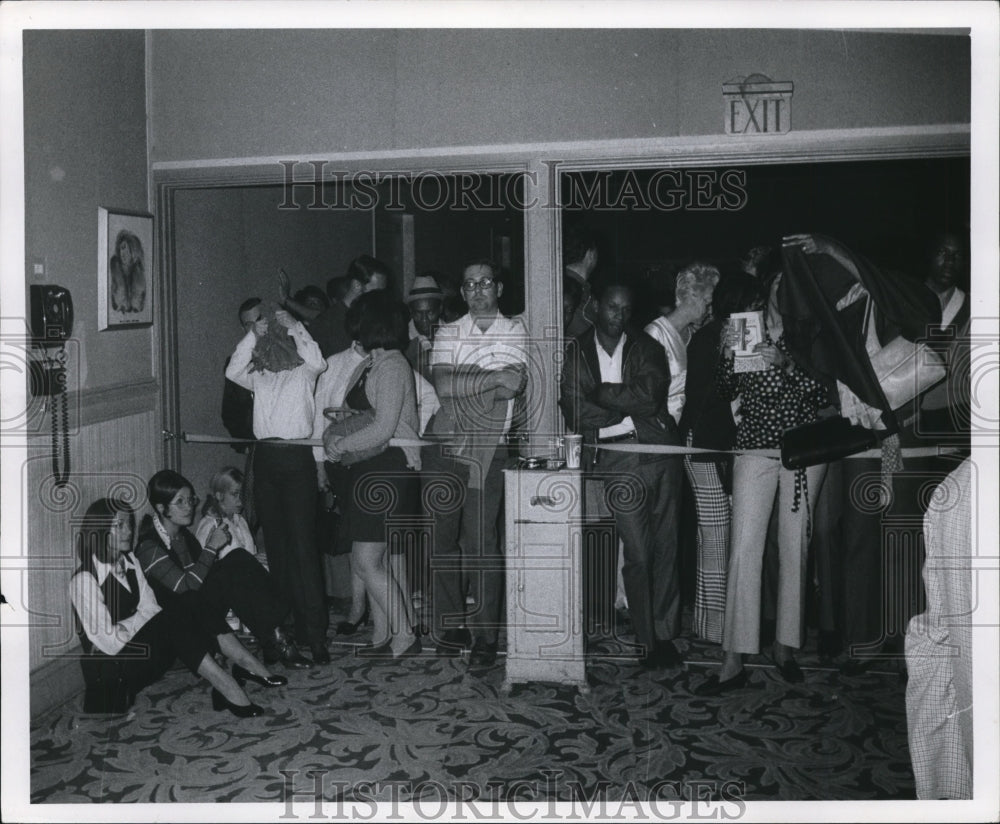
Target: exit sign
{"type": "Point", "coordinates": [757, 105]}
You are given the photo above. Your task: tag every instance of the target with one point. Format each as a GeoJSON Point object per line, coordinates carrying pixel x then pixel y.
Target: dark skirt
{"type": "Point", "coordinates": [377, 492]}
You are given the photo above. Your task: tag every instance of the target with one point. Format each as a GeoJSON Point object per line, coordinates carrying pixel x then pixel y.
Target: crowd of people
{"type": "Point", "coordinates": [414, 403]}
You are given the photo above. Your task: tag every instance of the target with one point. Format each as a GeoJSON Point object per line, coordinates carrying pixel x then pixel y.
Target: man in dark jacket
{"type": "Point", "coordinates": [614, 391]}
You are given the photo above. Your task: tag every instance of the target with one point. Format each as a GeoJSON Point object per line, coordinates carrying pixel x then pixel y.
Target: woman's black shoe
{"type": "Point", "coordinates": [241, 676]}
{"type": "Point", "coordinates": [220, 702]}
{"type": "Point", "coordinates": [351, 627]}
{"type": "Point", "coordinates": [714, 686]}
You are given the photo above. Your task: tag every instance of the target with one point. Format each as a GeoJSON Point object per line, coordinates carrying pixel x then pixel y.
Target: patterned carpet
{"type": "Point", "coordinates": [429, 728]}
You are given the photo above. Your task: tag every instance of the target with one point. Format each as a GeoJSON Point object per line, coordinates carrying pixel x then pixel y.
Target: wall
{"type": "Point", "coordinates": [230, 244]}
{"type": "Point", "coordinates": [85, 146]}
{"type": "Point", "coordinates": [229, 105]}
{"type": "Point", "coordinates": [304, 92]}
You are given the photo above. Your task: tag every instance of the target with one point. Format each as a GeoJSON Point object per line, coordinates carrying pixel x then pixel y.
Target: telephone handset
{"type": "Point", "coordinates": [51, 326]}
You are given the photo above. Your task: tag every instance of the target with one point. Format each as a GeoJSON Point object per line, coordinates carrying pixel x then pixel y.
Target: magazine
{"type": "Point", "coordinates": [748, 328]}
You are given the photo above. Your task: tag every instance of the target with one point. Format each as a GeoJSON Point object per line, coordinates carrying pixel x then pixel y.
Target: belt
{"type": "Point", "coordinates": [628, 436]}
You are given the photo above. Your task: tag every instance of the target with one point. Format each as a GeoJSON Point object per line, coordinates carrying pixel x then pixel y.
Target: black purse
{"type": "Point", "coordinates": [106, 687]}
{"type": "Point", "coordinates": [824, 441]}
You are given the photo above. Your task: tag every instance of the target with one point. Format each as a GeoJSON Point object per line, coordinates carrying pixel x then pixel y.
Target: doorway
{"type": "Point", "coordinates": [228, 244]}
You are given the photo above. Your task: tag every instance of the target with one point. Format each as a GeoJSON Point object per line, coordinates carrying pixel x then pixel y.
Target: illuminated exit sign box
{"type": "Point", "coordinates": [758, 105]}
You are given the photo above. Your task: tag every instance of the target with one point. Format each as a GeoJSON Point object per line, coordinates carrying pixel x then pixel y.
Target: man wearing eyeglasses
{"type": "Point", "coordinates": [479, 366]}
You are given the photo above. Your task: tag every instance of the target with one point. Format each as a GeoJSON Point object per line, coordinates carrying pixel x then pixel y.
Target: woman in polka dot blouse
{"type": "Point", "coordinates": [769, 402]}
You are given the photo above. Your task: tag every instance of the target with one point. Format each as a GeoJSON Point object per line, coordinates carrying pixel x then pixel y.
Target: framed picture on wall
{"type": "Point", "coordinates": [124, 269]}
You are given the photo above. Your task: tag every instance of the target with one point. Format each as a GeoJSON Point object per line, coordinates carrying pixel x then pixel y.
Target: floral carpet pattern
{"type": "Point", "coordinates": [429, 727]}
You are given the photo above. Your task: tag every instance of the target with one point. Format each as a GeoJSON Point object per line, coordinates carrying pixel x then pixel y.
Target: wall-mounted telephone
{"type": "Point", "coordinates": [51, 325]}
{"type": "Point", "coordinates": [51, 315]}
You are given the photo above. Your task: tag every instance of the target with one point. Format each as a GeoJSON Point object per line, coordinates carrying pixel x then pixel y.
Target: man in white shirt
{"type": "Point", "coordinates": [614, 391]}
{"type": "Point", "coordinates": [479, 365]}
{"type": "Point", "coordinates": [285, 475]}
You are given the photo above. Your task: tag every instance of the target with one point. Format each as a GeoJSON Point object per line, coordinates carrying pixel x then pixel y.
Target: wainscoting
{"type": "Point", "coordinates": [114, 446]}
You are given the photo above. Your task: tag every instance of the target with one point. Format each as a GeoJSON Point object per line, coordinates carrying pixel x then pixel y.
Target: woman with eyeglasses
{"type": "Point", "coordinates": [129, 641]}
{"type": "Point", "coordinates": [177, 564]}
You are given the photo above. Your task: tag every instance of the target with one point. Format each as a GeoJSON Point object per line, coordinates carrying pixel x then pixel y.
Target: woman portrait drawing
{"type": "Point", "coordinates": [128, 275]}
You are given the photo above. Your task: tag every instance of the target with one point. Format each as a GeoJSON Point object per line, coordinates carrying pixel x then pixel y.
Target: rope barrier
{"type": "Point", "coordinates": [907, 452]}
{"type": "Point", "coordinates": [187, 437]}
{"type": "Point", "coordinates": [657, 449]}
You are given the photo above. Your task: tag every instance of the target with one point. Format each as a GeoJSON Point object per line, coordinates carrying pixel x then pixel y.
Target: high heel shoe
{"type": "Point", "coordinates": [351, 627]}
{"type": "Point", "coordinates": [220, 702]}
{"type": "Point", "coordinates": [241, 676]}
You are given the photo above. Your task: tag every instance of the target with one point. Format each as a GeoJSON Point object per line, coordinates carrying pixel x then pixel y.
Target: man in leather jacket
{"type": "Point", "coordinates": [614, 393]}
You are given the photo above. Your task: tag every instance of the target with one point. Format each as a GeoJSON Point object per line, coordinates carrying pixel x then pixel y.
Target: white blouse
{"type": "Point", "coordinates": [88, 601]}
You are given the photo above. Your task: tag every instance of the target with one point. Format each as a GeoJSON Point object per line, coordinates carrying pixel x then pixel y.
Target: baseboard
{"type": "Point", "coordinates": [54, 683]}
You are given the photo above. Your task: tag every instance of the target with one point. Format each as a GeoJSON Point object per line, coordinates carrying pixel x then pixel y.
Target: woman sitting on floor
{"type": "Point", "coordinates": [225, 577]}
{"type": "Point", "coordinates": [128, 640]}
{"type": "Point", "coordinates": [224, 508]}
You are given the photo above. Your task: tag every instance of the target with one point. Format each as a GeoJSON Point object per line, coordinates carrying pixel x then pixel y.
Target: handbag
{"type": "Point", "coordinates": [348, 424]}
{"type": "Point", "coordinates": [904, 368]}
{"type": "Point", "coordinates": [823, 441]}
{"type": "Point", "coordinates": [106, 688]}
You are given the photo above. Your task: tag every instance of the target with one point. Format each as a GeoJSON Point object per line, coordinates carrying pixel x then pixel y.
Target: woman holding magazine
{"type": "Point", "coordinates": [773, 398]}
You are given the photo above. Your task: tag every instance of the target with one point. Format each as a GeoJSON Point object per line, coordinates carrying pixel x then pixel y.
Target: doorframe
{"type": "Point", "coordinates": [542, 165]}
